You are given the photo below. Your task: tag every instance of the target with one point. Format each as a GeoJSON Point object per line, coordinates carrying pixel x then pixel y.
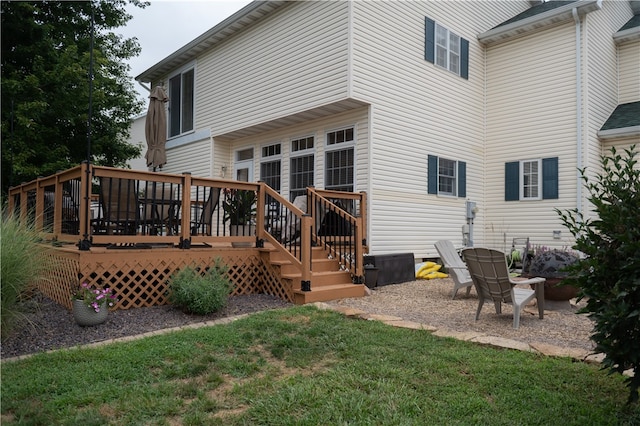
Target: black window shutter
{"type": "Point", "coordinates": [512, 181]}
{"type": "Point", "coordinates": [549, 178]}
{"type": "Point", "coordinates": [429, 39]}
{"type": "Point", "coordinates": [432, 184]}
{"type": "Point", "coordinates": [462, 179]}
{"type": "Point", "coordinates": [464, 58]}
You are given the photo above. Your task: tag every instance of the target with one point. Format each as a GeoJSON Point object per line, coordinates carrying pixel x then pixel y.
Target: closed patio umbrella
{"type": "Point", "coordinates": [155, 128]}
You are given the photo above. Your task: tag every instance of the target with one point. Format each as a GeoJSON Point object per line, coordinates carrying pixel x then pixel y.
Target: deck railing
{"type": "Point", "coordinates": [102, 206]}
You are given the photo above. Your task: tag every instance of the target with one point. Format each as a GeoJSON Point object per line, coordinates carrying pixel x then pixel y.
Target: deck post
{"type": "Point", "coordinates": [85, 207]}
{"type": "Point", "coordinates": [305, 252]}
{"type": "Point", "coordinates": [185, 220]}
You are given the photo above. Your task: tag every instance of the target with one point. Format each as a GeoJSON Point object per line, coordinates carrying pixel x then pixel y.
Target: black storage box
{"type": "Point", "coordinates": [392, 268]}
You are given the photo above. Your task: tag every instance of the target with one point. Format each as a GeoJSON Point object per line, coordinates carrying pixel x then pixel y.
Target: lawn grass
{"type": "Point", "coordinates": [303, 366]}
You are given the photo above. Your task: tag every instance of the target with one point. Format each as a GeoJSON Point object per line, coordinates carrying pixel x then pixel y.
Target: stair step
{"type": "Point", "coordinates": [328, 282]}
{"type": "Point", "coordinates": [322, 278]}
{"type": "Point", "coordinates": [316, 253]}
{"type": "Point", "coordinates": [319, 265]}
{"type": "Point", "coordinates": [326, 293]}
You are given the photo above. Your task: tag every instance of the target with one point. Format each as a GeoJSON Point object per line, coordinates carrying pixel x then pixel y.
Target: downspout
{"type": "Point", "coordinates": [576, 18]}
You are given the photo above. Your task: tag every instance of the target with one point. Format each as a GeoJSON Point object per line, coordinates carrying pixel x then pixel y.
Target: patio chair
{"type": "Point", "coordinates": [119, 201]}
{"type": "Point", "coordinates": [159, 208]}
{"type": "Point", "coordinates": [455, 266]}
{"type": "Point", "coordinates": [202, 224]}
{"type": "Point", "coordinates": [490, 275]}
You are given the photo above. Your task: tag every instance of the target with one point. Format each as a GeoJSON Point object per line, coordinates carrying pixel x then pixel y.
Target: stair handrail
{"type": "Point", "coordinates": [352, 261]}
{"type": "Point", "coordinates": [280, 218]}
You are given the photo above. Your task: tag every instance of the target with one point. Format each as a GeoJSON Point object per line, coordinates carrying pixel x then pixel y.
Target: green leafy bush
{"type": "Point", "coordinates": [200, 292]}
{"type": "Point", "coordinates": [21, 262]}
{"type": "Point", "coordinates": [609, 275]}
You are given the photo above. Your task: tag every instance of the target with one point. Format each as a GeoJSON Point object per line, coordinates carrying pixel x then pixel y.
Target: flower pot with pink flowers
{"type": "Point", "coordinates": [91, 304]}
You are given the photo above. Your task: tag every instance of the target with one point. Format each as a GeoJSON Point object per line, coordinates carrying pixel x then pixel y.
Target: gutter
{"type": "Point", "coordinates": [534, 23]}
{"type": "Point", "coordinates": [625, 132]}
{"type": "Point", "coordinates": [576, 18]}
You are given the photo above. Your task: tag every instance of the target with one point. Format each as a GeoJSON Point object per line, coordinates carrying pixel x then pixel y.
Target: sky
{"type": "Point", "coordinates": [166, 25]}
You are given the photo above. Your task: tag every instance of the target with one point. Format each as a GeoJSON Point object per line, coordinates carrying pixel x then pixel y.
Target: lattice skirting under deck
{"type": "Point", "coordinates": [140, 278]}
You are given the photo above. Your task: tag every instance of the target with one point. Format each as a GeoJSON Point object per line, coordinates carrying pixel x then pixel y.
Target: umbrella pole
{"type": "Point", "coordinates": [85, 243]}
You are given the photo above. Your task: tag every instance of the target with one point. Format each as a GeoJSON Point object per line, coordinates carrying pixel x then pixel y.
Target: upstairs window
{"type": "Point", "coordinates": [181, 103]}
{"type": "Point", "coordinates": [531, 179]}
{"type": "Point", "coordinates": [446, 49]}
{"type": "Point", "coordinates": [447, 177]}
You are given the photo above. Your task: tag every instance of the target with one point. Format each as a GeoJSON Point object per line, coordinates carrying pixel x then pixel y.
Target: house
{"type": "Point", "coordinates": [137, 138]}
{"type": "Point", "coordinates": [461, 120]}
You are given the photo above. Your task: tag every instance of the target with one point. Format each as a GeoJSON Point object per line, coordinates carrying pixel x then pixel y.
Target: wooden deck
{"type": "Point", "coordinates": [299, 256]}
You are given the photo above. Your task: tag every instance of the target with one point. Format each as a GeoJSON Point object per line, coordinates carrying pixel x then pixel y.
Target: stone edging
{"type": "Point", "coordinates": [483, 339]}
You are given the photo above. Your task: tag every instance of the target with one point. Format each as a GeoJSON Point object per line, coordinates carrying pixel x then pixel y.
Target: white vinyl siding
{"type": "Point", "coordinates": [629, 72]}
{"type": "Point", "coordinates": [195, 158]}
{"type": "Point", "coordinates": [317, 129]}
{"type": "Point", "coordinates": [602, 79]}
{"type": "Point", "coordinates": [266, 72]}
{"type": "Point", "coordinates": [530, 115]}
{"type": "Point", "coordinates": [418, 110]}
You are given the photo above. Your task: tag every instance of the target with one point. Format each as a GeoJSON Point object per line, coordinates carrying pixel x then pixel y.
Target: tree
{"type": "Point", "coordinates": [609, 275]}
{"type": "Point", "coordinates": [45, 87]}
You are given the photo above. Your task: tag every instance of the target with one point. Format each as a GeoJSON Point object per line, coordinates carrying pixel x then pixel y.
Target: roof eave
{"type": "Point", "coordinates": [631, 34]}
{"type": "Point", "coordinates": [623, 132]}
{"type": "Point", "coordinates": [533, 23]}
{"type": "Point", "coordinates": [243, 18]}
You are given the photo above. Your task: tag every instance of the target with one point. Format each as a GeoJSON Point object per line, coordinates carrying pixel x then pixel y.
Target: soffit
{"type": "Point", "coordinates": [291, 120]}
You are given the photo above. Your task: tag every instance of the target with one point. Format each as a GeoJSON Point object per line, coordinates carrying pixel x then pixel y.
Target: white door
{"type": "Point", "coordinates": [243, 165]}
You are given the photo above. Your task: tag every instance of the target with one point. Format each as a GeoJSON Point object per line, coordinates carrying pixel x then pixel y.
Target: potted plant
{"type": "Point", "coordinates": [91, 304]}
{"type": "Point", "coordinates": [551, 264]}
{"type": "Point", "coordinates": [239, 209]}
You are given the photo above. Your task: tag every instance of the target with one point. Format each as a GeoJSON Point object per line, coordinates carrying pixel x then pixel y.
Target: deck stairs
{"type": "Point", "coordinates": [328, 282]}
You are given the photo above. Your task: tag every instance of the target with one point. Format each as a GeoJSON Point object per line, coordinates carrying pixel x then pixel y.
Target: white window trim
{"type": "Point", "coordinates": [447, 48]}
{"type": "Point", "coordinates": [342, 146]}
{"type": "Point", "coordinates": [271, 157]}
{"type": "Point", "coordinates": [455, 179]}
{"type": "Point", "coordinates": [182, 70]}
{"type": "Point", "coordinates": [302, 153]}
{"type": "Point", "coordinates": [521, 180]}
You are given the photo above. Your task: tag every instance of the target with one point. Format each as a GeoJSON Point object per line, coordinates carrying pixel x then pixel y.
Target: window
{"type": "Point", "coordinates": [339, 160]}
{"type": "Point", "coordinates": [447, 177]}
{"type": "Point", "coordinates": [302, 165]}
{"type": "Point", "coordinates": [270, 167]}
{"type": "Point", "coordinates": [531, 179]}
{"type": "Point", "coordinates": [181, 103]}
{"type": "Point", "coordinates": [446, 49]}
{"type": "Point", "coordinates": [529, 170]}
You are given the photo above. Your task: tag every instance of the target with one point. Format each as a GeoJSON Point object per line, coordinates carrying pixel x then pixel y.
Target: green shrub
{"type": "Point", "coordinates": [21, 262]}
{"type": "Point", "coordinates": [609, 276]}
{"type": "Point", "coordinates": [200, 292]}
